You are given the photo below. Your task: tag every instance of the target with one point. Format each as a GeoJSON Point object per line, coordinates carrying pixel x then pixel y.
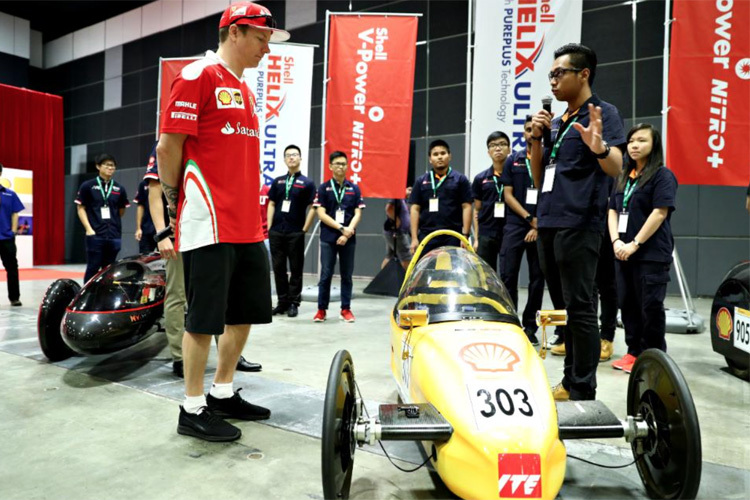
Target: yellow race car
{"type": "Point", "coordinates": [474, 391]}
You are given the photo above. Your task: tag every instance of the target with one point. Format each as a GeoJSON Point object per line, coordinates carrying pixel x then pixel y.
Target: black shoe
{"type": "Point", "coordinates": [292, 311]}
{"type": "Point", "coordinates": [16, 303]}
{"type": "Point", "coordinates": [279, 309]}
{"type": "Point", "coordinates": [177, 369]}
{"type": "Point", "coordinates": [236, 407]}
{"type": "Point", "coordinates": [531, 335]}
{"type": "Point", "coordinates": [206, 425]}
{"type": "Point", "coordinates": [244, 365]}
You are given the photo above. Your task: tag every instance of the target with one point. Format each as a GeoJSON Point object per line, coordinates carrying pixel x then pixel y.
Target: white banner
{"type": "Point", "coordinates": [282, 85]}
{"type": "Point", "coordinates": [513, 51]}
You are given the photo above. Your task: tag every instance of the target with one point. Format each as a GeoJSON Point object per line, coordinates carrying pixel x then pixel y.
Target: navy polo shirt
{"type": "Point", "coordinates": [301, 195]}
{"type": "Point", "coordinates": [516, 175]}
{"type": "Point", "coordinates": [483, 189]}
{"type": "Point", "coordinates": [9, 204]}
{"type": "Point", "coordinates": [141, 198]}
{"type": "Point", "coordinates": [658, 192]}
{"type": "Point", "coordinates": [454, 191]}
{"type": "Point", "coordinates": [152, 173]}
{"type": "Point", "coordinates": [326, 198]}
{"type": "Point", "coordinates": [578, 198]}
{"type": "Point", "coordinates": [91, 197]}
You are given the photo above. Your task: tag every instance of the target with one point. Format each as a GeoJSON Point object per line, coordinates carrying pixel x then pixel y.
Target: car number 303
{"type": "Point", "coordinates": [499, 403]}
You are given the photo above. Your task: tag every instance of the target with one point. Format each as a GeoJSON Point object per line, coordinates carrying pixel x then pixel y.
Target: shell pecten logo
{"type": "Point", "coordinates": [489, 357]}
{"type": "Point", "coordinates": [724, 323]}
{"type": "Point", "coordinates": [224, 97]}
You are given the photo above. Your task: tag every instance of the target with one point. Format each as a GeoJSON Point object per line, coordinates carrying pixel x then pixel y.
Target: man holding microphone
{"type": "Point", "coordinates": [571, 175]}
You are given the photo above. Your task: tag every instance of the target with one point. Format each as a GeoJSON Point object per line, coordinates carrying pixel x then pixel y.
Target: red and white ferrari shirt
{"type": "Point", "coordinates": [221, 155]}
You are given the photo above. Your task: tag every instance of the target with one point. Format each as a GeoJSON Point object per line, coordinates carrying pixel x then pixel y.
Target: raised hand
{"type": "Point", "coordinates": [592, 135]}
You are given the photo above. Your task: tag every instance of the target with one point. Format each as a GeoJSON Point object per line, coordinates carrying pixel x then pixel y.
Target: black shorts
{"type": "Point", "coordinates": [227, 284]}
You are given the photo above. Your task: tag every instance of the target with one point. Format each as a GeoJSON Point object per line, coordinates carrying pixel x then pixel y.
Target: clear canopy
{"type": "Point", "coordinates": [453, 284]}
{"type": "Point", "coordinates": [125, 285]}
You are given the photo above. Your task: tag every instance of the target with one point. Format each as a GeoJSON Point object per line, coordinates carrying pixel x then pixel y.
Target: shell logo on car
{"type": "Point", "coordinates": [724, 323]}
{"type": "Point", "coordinates": [489, 357]}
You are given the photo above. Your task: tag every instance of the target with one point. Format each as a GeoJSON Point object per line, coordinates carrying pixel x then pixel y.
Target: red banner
{"type": "Point", "coordinates": [369, 99]}
{"type": "Point", "coordinates": [709, 92]}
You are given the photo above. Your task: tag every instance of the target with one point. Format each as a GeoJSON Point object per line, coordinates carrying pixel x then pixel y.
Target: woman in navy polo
{"type": "Point", "coordinates": [640, 209]}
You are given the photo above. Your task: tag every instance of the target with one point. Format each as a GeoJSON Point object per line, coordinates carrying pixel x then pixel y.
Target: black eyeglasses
{"type": "Point", "coordinates": [559, 72]}
{"type": "Point", "coordinates": [270, 22]}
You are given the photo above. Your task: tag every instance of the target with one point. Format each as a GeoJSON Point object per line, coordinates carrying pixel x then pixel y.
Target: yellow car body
{"type": "Point", "coordinates": [474, 364]}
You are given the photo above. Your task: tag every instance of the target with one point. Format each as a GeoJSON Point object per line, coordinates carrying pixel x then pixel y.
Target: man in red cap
{"type": "Point", "coordinates": [208, 156]}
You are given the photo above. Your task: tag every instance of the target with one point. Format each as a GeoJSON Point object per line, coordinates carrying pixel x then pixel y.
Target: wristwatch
{"type": "Point", "coordinates": [636, 243]}
{"type": "Point", "coordinates": [603, 154]}
{"type": "Point", "coordinates": [164, 233]}
{"type": "Point", "coordinates": [529, 218]}
{"type": "Point", "coordinates": [341, 227]}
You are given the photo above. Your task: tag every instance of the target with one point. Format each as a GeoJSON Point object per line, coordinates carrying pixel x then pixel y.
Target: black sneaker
{"type": "Point", "coordinates": [236, 407]}
{"type": "Point", "coordinates": [15, 303]}
{"type": "Point", "coordinates": [279, 309]}
{"type": "Point", "coordinates": [531, 335]}
{"type": "Point", "coordinates": [293, 311]}
{"type": "Point", "coordinates": [206, 425]}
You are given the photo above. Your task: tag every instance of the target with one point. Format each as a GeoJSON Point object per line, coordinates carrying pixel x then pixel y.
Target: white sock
{"type": "Point", "coordinates": [222, 391]}
{"type": "Point", "coordinates": [194, 403]}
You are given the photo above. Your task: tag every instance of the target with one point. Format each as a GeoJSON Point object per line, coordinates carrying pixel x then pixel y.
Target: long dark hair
{"type": "Point", "coordinates": [653, 163]}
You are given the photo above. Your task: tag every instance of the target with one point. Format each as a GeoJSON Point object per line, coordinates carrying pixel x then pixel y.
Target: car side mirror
{"type": "Point", "coordinates": [413, 318]}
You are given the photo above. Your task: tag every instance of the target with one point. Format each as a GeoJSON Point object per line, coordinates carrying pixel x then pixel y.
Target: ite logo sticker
{"type": "Point", "coordinates": [519, 475]}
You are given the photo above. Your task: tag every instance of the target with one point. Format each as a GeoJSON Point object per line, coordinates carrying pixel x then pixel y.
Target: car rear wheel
{"type": "Point", "coordinates": [669, 458]}
{"type": "Point", "coordinates": [339, 419]}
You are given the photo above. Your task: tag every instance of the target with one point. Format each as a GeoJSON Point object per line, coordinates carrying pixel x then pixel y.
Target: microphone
{"type": "Point", "coordinates": [547, 133]}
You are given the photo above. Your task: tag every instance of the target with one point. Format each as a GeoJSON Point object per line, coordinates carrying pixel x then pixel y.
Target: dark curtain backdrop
{"type": "Point", "coordinates": [31, 138]}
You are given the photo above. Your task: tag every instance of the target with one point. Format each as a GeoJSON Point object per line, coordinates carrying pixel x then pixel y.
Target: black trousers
{"type": "Point", "coordinates": [147, 244]}
{"type": "Point", "coordinates": [10, 263]}
{"type": "Point", "coordinates": [291, 247]}
{"type": "Point", "coordinates": [489, 250]}
{"type": "Point", "coordinates": [100, 253]}
{"type": "Point", "coordinates": [511, 255]}
{"type": "Point", "coordinates": [569, 260]}
{"type": "Point", "coordinates": [605, 291]}
{"type": "Point", "coordinates": [642, 286]}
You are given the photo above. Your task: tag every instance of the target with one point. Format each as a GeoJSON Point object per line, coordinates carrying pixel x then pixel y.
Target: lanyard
{"type": "Point", "coordinates": [432, 180]}
{"type": "Point", "coordinates": [111, 185]}
{"type": "Point", "coordinates": [627, 193]}
{"type": "Point", "coordinates": [499, 189]}
{"type": "Point", "coordinates": [553, 155]}
{"type": "Point", "coordinates": [289, 184]}
{"type": "Point", "coordinates": [528, 168]}
{"type": "Point", "coordinates": [339, 197]}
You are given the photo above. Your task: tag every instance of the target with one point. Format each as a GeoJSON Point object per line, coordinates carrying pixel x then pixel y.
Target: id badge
{"type": "Point", "coordinates": [339, 216]}
{"type": "Point", "coordinates": [549, 178]}
{"type": "Point", "coordinates": [499, 210]}
{"type": "Point", "coordinates": [434, 204]}
{"type": "Point", "coordinates": [531, 196]}
{"type": "Point", "coordinates": [286, 205]}
{"type": "Point", "coordinates": [105, 213]}
{"type": "Point", "coordinates": [622, 224]}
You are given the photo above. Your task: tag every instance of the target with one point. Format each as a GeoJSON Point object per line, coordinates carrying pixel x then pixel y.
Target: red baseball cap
{"type": "Point", "coordinates": [252, 14]}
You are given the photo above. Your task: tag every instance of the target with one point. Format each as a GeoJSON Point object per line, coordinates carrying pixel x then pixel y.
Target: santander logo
{"type": "Point", "coordinates": [239, 129]}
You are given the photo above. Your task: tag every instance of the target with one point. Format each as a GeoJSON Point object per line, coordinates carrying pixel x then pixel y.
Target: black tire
{"type": "Point", "coordinates": [339, 443]}
{"type": "Point", "coordinates": [737, 369]}
{"type": "Point", "coordinates": [51, 311]}
{"type": "Point", "coordinates": [670, 466]}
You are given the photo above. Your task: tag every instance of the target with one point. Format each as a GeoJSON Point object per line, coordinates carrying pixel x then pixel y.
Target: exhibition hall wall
{"type": "Point", "coordinates": [108, 78]}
